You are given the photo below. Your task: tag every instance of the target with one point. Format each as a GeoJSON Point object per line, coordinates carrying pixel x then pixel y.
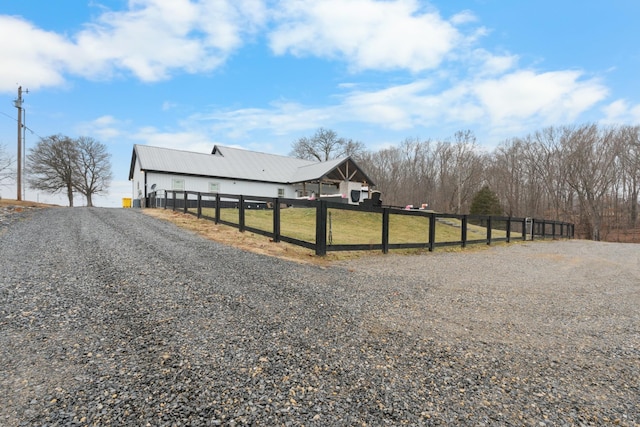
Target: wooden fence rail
{"type": "Point", "coordinates": [211, 206]}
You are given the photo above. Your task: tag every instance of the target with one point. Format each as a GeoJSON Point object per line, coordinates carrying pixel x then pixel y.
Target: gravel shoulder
{"type": "Point", "coordinates": [112, 317]}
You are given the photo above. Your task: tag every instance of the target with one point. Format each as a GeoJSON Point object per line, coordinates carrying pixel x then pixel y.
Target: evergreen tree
{"type": "Point", "coordinates": [486, 202]}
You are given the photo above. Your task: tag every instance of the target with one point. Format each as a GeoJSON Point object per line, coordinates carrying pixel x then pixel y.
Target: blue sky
{"type": "Point", "coordinates": [259, 74]}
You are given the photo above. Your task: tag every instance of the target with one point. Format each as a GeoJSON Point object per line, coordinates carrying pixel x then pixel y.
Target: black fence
{"type": "Point", "coordinates": [232, 210]}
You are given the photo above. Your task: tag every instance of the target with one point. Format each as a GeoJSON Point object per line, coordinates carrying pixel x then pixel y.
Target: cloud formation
{"type": "Point", "coordinates": [506, 102]}
{"type": "Point", "coordinates": [366, 34]}
{"type": "Point", "coordinates": [621, 111]}
{"type": "Point", "coordinates": [442, 74]}
{"type": "Point", "coordinates": [155, 37]}
{"type": "Point", "coordinates": [31, 55]}
{"type": "Point", "coordinates": [150, 40]}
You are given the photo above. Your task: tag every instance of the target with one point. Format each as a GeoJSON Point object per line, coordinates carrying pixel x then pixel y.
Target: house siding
{"type": "Point", "coordinates": [164, 181]}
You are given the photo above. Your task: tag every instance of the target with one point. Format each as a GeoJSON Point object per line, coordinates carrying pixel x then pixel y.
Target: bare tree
{"type": "Point", "coordinates": [507, 175]}
{"type": "Point", "coordinates": [384, 167]}
{"type": "Point", "coordinates": [468, 167]}
{"type": "Point", "coordinates": [417, 171]}
{"type": "Point", "coordinates": [60, 163]}
{"type": "Point", "coordinates": [92, 168]}
{"type": "Point", "coordinates": [51, 164]}
{"type": "Point", "coordinates": [404, 174]}
{"type": "Point", "coordinates": [630, 157]}
{"type": "Point", "coordinates": [591, 171]}
{"type": "Point", "coordinates": [550, 164]}
{"type": "Point", "coordinates": [354, 149]}
{"type": "Point", "coordinates": [6, 166]}
{"type": "Point", "coordinates": [325, 145]}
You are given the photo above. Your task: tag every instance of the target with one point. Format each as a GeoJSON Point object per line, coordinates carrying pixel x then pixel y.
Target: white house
{"type": "Point", "coordinates": [234, 171]}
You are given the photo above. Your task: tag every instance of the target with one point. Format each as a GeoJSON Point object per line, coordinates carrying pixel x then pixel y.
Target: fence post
{"type": "Point", "coordinates": [186, 197]}
{"type": "Point", "coordinates": [199, 205]}
{"type": "Point", "coordinates": [217, 208]}
{"type": "Point", "coordinates": [174, 200]}
{"type": "Point", "coordinates": [509, 230]}
{"type": "Point", "coordinates": [241, 214]}
{"type": "Point", "coordinates": [165, 199]}
{"type": "Point", "coordinates": [276, 220]}
{"type": "Point", "coordinates": [432, 230]}
{"type": "Point", "coordinates": [463, 231]}
{"type": "Point", "coordinates": [553, 230]}
{"type": "Point", "coordinates": [533, 228]}
{"type": "Point", "coordinates": [385, 230]}
{"type": "Point", "coordinates": [489, 231]}
{"type": "Point", "coordinates": [321, 227]}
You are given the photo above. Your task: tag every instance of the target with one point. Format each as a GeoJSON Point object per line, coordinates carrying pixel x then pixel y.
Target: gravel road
{"type": "Point", "coordinates": [111, 317]}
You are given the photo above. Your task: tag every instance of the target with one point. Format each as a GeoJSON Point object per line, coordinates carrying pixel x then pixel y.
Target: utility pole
{"type": "Point", "coordinates": [24, 150]}
{"type": "Point", "coordinates": [18, 105]}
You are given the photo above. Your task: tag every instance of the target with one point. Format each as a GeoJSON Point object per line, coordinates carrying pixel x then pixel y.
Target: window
{"type": "Point", "coordinates": [214, 187]}
{"type": "Point", "coordinates": [280, 192]}
{"type": "Point", "coordinates": [177, 184]}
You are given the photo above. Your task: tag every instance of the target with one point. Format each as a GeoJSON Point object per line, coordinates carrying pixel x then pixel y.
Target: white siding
{"type": "Point", "coordinates": [202, 184]}
{"type": "Point", "coordinates": [138, 182]}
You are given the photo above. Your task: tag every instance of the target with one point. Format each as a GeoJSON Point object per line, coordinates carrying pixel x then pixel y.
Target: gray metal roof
{"type": "Point", "coordinates": [315, 170]}
{"type": "Point", "coordinates": [234, 163]}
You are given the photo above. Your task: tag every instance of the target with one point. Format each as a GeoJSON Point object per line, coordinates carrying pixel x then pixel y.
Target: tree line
{"type": "Point", "coordinates": [587, 174]}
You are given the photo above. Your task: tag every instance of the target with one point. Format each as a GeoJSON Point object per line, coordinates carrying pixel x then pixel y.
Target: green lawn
{"type": "Point", "coordinates": [352, 227]}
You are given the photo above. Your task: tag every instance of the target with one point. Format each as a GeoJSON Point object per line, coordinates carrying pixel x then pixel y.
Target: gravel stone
{"type": "Point", "coordinates": [10, 214]}
{"type": "Point", "coordinates": [110, 317]}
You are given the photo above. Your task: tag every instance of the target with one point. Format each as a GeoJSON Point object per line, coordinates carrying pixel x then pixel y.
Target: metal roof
{"type": "Point", "coordinates": [234, 163]}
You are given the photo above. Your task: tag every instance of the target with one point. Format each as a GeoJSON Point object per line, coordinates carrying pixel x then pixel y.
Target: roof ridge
{"type": "Point", "coordinates": [171, 149]}
{"type": "Point", "coordinates": [262, 153]}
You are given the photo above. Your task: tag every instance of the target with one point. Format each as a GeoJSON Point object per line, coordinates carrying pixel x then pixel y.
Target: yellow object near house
{"type": "Point", "coordinates": [126, 202]}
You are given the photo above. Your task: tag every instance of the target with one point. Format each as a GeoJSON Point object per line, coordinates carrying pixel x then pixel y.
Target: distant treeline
{"type": "Point", "coordinates": [586, 174]}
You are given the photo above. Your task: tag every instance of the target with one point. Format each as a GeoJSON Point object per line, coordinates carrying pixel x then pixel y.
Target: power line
{"type": "Point", "coordinates": [23, 125]}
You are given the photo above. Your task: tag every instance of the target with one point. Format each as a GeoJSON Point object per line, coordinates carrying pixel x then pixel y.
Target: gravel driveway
{"type": "Point", "coordinates": [111, 317]}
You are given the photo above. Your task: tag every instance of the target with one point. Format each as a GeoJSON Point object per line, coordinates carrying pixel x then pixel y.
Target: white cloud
{"type": "Point", "coordinates": [484, 63]}
{"type": "Point", "coordinates": [621, 112]}
{"type": "Point", "coordinates": [367, 34]}
{"type": "Point", "coordinates": [104, 128]}
{"type": "Point", "coordinates": [463, 17]}
{"type": "Point", "coordinates": [552, 96]}
{"type": "Point", "coordinates": [394, 107]}
{"type": "Point", "coordinates": [280, 119]}
{"type": "Point", "coordinates": [509, 101]}
{"type": "Point", "coordinates": [151, 40]}
{"type": "Point", "coordinates": [498, 105]}
{"type": "Point", "coordinates": [155, 37]}
{"type": "Point", "coordinates": [189, 141]}
{"type": "Point", "coordinates": [30, 56]}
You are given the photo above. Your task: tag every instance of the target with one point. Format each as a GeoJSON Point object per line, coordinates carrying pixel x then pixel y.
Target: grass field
{"type": "Point", "coordinates": [352, 227]}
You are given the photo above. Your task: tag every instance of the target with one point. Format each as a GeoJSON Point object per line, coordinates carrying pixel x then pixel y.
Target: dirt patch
{"type": "Point", "coordinates": [23, 204]}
